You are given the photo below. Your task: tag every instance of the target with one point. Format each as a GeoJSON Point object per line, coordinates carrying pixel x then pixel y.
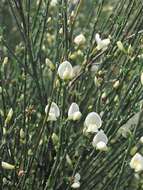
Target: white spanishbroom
{"type": "Point", "coordinates": [136, 162]}
{"type": "Point", "coordinates": [80, 40]}
{"type": "Point", "coordinates": [65, 70]}
{"type": "Point", "coordinates": [76, 182]}
{"type": "Point", "coordinates": [102, 44]}
{"type": "Point", "coordinates": [74, 112]}
{"type": "Point", "coordinates": [100, 141]}
{"type": "Point", "coordinates": [54, 112]}
{"type": "Point", "coordinates": [92, 123]}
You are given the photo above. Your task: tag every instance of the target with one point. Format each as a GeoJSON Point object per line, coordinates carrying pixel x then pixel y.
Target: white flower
{"type": "Point", "coordinates": [65, 71]}
{"type": "Point", "coordinates": [77, 177]}
{"type": "Point", "coordinates": [7, 166]}
{"type": "Point", "coordinates": [101, 44]}
{"type": "Point", "coordinates": [100, 141]}
{"type": "Point", "coordinates": [142, 78]}
{"type": "Point", "coordinates": [136, 162]}
{"type": "Point", "coordinates": [80, 40]}
{"type": "Point", "coordinates": [73, 112]}
{"type": "Point", "coordinates": [76, 185]}
{"type": "Point", "coordinates": [53, 3]}
{"type": "Point", "coordinates": [54, 112]}
{"type": "Point", "coordinates": [92, 122]}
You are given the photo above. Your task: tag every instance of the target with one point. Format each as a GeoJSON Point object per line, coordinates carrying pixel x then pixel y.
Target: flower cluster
{"type": "Point", "coordinates": [92, 123]}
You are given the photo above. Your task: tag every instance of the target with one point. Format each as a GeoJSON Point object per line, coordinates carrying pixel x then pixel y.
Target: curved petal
{"type": "Point", "coordinates": [136, 162]}
{"type": "Point", "coordinates": [77, 177]}
{"type": "Point", "coordinates": [75, 185]}
{"type": "Point", "coordinates": [93, 119]}
{"type": "Point", "coordinates": [101, 146]}
{"type": "Point", "coordinates": [65, 70]}
{"type": "Point", "coordinates": [97, 38]}
{"type": "Point", "coordinates": [100, 137]}
{"type": "Point", "coordinates": [73, 108]}
{"type": "Point", "coordinates": [54, 111]}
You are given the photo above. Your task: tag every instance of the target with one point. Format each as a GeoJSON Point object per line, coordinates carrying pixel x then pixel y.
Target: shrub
{"type": "Point", "coordinates": [70, 84]}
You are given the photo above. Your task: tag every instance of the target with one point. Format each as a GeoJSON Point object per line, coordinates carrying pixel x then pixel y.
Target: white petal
{"type": "Point", "coordinates": [76, 116]}
{"type": "Point", "coordinates": [75, 185]}
{"type": "Point", "coordinates": [53, 3]}
{"type": "Point", "coordinates": [97, 38]}
{"type": "Point", "coordinates": [73, 108]}
{"type": "Point", "coordinates": [100, 137]}
{"type": "Point", "coordinates": [52, 117]}
{"type": "Point", "coordinates": [77, 176]}
{"type": "Point", "coordinates": [103, 44]}
{"type": "Point", "coordinates": [7, 166]}
{"type": "Point", "coordinates": [79, 40]}
{"type": "Point", "coordinates": [65, 70]}
{"type": "Point", "coordinates": [101, 146]}
{"type": "Point", "coordinates": [93, 119]}
{"type": "Point", "coordinates": [142, 78]}
{"type": "Point", "coordinates": [136, 162]}
{"type": "Point", "coordinates": [54, 111]}
{"type": "Point", "coordinates": [92, 128]}
{"type": "Point", "coordinates": [73, 112]}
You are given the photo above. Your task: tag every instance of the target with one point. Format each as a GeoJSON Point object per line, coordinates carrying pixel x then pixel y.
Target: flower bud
{"type": "Point", "coordinates": [7, 166]}
{"type": "Point", "coordinates": [130, 50]}
{"type": "Point", "coordinates": [5, 61]}
{"type": "Point", "coordinates": [22, 134]}
{"type": "Point", "coordinates": [116, 99]}
{"type": "Point", "coordinates": [120, 46]}
{"type": "Point", "coordinates": [50, 64]}
{"type": "Point", "coordinates": [61, 31]}
{"type": "Point", "coordinates": [80, 40]}
{"type": "Point", "coordinates": [4, 131]}
{"type": "Point", "coordinates": [9, 116]}
{"type": "Point", "coordinates": [55, 139]}
{"type": "Point", "coordinates": [104, 96]}
{"type": "Point", "coordinates": [69, 161]}
{"type": "Point", "coordinates": [116, 84]}
{"type": "Point", "coordinates": [141, 78]}
{"type": "Point", "coordinates": [141, 140]}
